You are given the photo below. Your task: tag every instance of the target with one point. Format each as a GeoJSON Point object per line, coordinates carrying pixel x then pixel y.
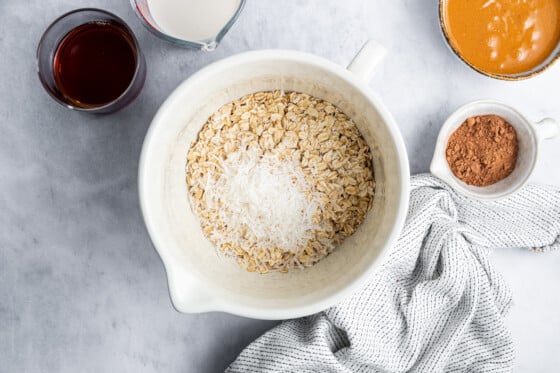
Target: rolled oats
{"type": "Point", "coordinates": [334, 157]}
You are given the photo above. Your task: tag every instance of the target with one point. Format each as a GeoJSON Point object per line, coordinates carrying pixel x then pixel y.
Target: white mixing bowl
{"type": "Point", "coordinates": [202, 280]}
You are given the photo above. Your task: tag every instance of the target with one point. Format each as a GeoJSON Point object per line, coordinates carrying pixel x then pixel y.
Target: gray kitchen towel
{"type": "Point", "coordinates": [436, 305]}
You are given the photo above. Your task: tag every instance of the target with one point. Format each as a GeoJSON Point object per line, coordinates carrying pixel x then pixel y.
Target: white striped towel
{"type": "Point", "coordinates": [436, 305]}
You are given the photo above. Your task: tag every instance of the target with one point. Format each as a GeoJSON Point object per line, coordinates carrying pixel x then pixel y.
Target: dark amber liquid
{"type": "Point", "coordinates": [94, 63]}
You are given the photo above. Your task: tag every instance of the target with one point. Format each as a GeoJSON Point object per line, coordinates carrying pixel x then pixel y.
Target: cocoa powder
{"type": "Point", "coordinates": [483, 150]}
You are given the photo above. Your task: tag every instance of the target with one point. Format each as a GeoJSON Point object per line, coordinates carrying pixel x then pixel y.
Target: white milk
{"type": "Point", "coordinates": [195, 20]}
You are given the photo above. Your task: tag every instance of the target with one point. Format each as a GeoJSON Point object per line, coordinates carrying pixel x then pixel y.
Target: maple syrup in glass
{"type": "Point", "coordinates": [94, 63]}
{"type": "Point", "coordinates": [89, 60]}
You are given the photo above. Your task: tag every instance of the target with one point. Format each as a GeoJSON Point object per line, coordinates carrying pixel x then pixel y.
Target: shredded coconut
{"type": "Point", "coordinates": [263, 197]}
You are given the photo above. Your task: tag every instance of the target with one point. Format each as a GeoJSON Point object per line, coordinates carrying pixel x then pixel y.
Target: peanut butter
{"type": "Point", "coordinates": [503, 36]}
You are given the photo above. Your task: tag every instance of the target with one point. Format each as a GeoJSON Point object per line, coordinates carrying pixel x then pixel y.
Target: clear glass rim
{"type": "Point", "coordinates": [123, 94]}
{"type": "Point", "coordinates": [206, 46]}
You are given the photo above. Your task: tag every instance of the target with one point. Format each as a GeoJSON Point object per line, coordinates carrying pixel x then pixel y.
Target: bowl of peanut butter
{"type": "Point", "coordinates": [503, 39]}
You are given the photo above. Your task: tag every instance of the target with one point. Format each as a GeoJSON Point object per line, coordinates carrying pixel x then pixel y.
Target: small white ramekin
{"type": "Point", "coordinates": [529, 135]}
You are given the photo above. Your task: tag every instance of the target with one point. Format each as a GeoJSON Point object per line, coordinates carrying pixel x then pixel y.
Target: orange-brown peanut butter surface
{"type": "Point", "coordinates": [503, 36]}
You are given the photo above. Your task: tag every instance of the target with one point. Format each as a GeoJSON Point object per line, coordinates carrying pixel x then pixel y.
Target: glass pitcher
{"type": "Point", "coordinates": [208, 21]}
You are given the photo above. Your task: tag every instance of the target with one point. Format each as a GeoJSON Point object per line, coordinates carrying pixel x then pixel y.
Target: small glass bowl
{"type": "Point", "coordinates": [50, 41]}
{"type": "Point", "coordinates": [143, 11]}
{"type": "Point", "coordinates": [548, 62]}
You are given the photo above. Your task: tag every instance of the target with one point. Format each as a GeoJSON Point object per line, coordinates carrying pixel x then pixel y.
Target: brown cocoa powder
{"type": "Point", "coordinates": [483, 150]}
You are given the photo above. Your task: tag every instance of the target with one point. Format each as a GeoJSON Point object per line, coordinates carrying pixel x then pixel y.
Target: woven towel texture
{"type": "Point", "coordinates": [436, 305]}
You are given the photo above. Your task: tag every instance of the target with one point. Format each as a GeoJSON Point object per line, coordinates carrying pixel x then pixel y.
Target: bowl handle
{"type": "Point", "coordinates": [187, 295]}
{"type": "Point", "coordinates": [367, 59]}
{"type": "Point", "coordinates": [547, 128]}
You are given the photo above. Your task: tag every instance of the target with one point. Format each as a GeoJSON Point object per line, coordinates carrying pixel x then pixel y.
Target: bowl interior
{"type": "Point", "coordinates": [174, 228]}
{"type": "Point", "coordinates": [525, 159]}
